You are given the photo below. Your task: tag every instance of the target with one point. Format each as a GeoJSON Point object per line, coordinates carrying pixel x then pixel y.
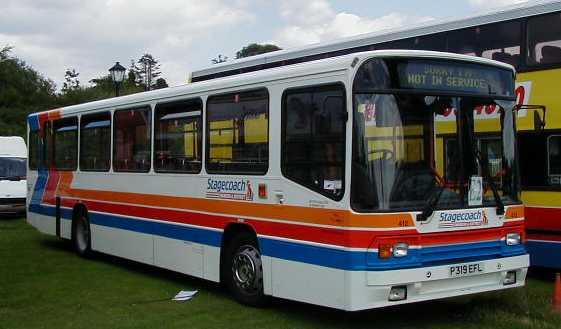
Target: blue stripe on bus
{"type": "Point", "coordinates": [39, 188]}
{"type": "Point", "coordinates": [33, 121]}
{"type": "Point", "coordinates": [310, 254]}
{"type": "Point", "coordinates": [179, 232]}
{"type": "Point", "coordinates": [360, 260]}
{"type": "Point", "coordinates": [545, 254]}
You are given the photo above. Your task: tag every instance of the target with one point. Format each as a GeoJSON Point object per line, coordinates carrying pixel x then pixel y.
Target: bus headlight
{"type": "Point", "coordinates": [513, 239]}
{"type": "Point", "coordinates": [400, 250]}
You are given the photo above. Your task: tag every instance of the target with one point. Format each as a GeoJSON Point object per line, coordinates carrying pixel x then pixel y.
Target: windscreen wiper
{"type": "Point", "coordinates": [431, 204]}
{"type": "Point", "coordinates": [487, 176]}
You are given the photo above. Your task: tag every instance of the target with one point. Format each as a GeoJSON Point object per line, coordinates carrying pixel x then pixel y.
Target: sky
{"type": "Point", "coordinates": [185, 35]}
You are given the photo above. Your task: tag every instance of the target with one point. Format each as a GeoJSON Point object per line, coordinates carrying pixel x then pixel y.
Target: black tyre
{"type": "Point", "coordinates": [243, 270]}
{"type": "Point", "coordinates": [81, 235]}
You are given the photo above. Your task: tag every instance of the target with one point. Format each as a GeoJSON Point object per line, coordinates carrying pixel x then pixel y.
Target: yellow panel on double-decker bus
{"type": "Point", "coordinates": [221, 139]}
{"type": "Point", "coordinates": [539, 88]}
{"type": "Point", "coordinates": [256, 129]}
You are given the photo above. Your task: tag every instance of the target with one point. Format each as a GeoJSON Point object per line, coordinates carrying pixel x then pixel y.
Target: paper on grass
{"type": "Point", "coordinates": [185, 295]}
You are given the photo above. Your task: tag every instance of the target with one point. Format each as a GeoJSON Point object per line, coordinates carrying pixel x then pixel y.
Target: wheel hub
{"type": "Point", "coordinates": [246, 269]}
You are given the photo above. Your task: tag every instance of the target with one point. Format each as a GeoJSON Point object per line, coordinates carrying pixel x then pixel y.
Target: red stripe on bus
{"type": "Point", "coordinates": [329, 236]}
{"type": "Point", "coordinates": [547, 219]}
{"type": "Point", "coordinates": [544, 237]}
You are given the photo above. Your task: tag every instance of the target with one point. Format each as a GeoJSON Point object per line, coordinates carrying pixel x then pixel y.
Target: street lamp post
{"type": "Point", "coordinates": [117, 75]}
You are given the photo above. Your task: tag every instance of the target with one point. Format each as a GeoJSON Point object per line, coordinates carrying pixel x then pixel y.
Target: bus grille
{"type": "Point", "coordinates": [5, 201]}
{"type": "Point", "coordinates": [461, 253]}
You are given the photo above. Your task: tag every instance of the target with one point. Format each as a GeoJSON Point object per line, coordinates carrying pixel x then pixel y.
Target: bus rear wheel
{"type": "Point", "coordinates": [244, 270]}
{"type": "Point", "coordinates": [81, 235]}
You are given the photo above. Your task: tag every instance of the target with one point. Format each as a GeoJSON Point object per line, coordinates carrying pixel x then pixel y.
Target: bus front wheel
{"type": "Point", "coordinates": [81, 235]}
{"type": "Point", "coordinates": [244, 270]}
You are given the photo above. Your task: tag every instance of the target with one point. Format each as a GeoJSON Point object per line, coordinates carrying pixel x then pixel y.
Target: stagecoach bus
{"type": "Point", "coordinates": [527, 36]}
{"type": "Point", "coordinates": [317, 182]}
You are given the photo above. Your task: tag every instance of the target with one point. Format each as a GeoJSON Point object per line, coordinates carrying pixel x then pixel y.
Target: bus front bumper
{"type": "Point", "coordinates": [428, 283]}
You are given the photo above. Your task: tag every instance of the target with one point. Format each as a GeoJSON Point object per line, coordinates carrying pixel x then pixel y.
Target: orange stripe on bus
{"type": "Point", "coordinates": [54, 115]}
{"type": "Point", "coordinates": [331, 217]}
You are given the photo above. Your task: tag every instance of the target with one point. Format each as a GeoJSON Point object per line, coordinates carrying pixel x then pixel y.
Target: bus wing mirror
{"type": "Point", "coordinates": [539, 115]}
{"type": "Point", "coordinates": [539, 123]}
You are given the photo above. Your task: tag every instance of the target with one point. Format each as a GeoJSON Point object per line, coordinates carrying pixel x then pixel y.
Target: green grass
{"type": "Point", "coordinates": [43, 284]}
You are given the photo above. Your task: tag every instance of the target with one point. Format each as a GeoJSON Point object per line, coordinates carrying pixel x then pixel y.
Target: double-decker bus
{"type": "Point", "coordinates": [527, 36]}
{"type": "Point", "coordinates": [315, 182]}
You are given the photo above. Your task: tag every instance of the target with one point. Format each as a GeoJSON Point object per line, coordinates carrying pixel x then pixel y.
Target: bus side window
{"type": "Point", "coordinates": [132, 140]}
{"type": "Point", "coordinates": [554, 160]}
{"type": "Point", "coordinates": [313, 146]}
{"type": "Point", "coordinates": [34, 146]}
{"type": "Point", "coordinates": [65, 143]}
{"type": "Point", "coordinates": [544, 39]}
{"type": "Point", "coordinates": [95, 142]}
{"type": "Point", "coordinates": [48, 145]}
{"type": "Point", "coordinates": [237, 128]}
{"type": "Point", "coordinates": [178, 136]}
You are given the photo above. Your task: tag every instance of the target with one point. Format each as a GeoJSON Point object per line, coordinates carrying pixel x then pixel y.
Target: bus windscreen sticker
{"type": "Point", "coordinates": [475, 195]}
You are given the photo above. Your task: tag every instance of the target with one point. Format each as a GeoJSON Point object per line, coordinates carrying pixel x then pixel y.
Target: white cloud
{"type": "Point", "coordinates": [306, 12]}
{"type": "Point", "coordinates": [54, 35]}
{"type": "Point", "coordinates": [316, 21]}
{"type": "Point", "coordinates": [487, 4]}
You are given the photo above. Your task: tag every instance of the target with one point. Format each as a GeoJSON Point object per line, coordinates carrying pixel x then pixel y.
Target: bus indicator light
{"type": "Point", "coordinates": [385, 250]}
{"type": "Point", "coordinates": [263, 191]}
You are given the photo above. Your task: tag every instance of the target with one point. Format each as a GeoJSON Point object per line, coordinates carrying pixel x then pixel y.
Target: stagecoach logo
{"type": "Point", "coordinates": [463, 219]}
{"type": "Point", "coordinates": [229, 189]}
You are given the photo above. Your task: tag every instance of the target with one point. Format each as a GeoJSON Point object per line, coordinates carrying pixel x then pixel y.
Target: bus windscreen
{"type": "Point", "coordinates": [455, 77]}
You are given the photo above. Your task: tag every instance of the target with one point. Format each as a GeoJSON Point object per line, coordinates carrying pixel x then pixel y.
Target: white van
{"type": "Point", "coordinates": [13, 183]}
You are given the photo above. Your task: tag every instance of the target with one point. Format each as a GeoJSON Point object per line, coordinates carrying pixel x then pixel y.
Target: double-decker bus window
{"type": "Point", "coordinates": [532, 148]}
{"type": "Point", "coordinates": [178, 135]}
{"type": "Point", "coordinates": [131, 140]}
{"type": "Point", "coordinates": [95, 142]}
{"type": "Point", "coordinates": [66, 144]}
{"type": "Point", "coordinates": [313, 146]}
{"type": "Point", "coordinates": [238, 133]}
{"type": "Point", "coordinates": [500, 42]}
{"type": "Point", "coordinates": [554, 160]}
{"type": "Point", "coordinates": [436, 42]}
{"type": "Point", "coordinates": [544, 39]}
{"type": "Point", "coordinates": [34, 147]}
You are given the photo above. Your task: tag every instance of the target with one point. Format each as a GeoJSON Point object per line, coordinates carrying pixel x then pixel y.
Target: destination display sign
{"type": "Point", "coordinates": [455, 77]}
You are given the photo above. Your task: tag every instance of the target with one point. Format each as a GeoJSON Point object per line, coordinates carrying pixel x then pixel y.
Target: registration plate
{"type": "Point", "coordinates": [466, 269]}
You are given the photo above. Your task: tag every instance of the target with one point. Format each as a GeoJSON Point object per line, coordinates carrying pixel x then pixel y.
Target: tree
{"type": "Point", "coordinates": [161, 83]}
{"type": "Point", "coordinates": [22, 91]}
{"type": "Point", "coordinates": [256, 49]}
{"type": "Point", "coordinates": [131, 76]}
{"type": "Point", "coordinates": [4, 52]}
{"type": "Point", "coordinates": [71, 81]}
{"type": "Point", "coordinates": [147, 71]}
{"type": "Point", "coordinates": [219, 59]}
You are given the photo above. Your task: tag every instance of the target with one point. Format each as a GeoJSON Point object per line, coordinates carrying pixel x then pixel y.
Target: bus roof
{"type": "Point", "coordinates": [527, 9]}
{"type": "Point", "coordinates": [13, 147]}
{"type": "Point", "coordinates": [241, 81]}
